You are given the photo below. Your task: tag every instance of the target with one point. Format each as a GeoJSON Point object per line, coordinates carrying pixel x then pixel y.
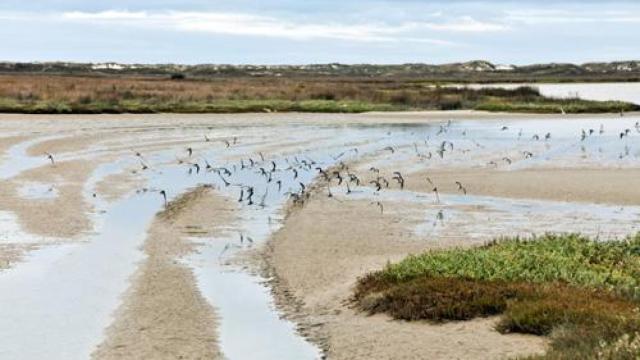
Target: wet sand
{"type": "Point", "coordinates": [320, 249]}
{"type": "Point", "coordinates": [164, 316]}
{"type": "Point", "coordinates": [340, 242]}
{"type": "Point", "coordinates": [602, 186]}
{"type": "Point", "coordinates": [64, 216]}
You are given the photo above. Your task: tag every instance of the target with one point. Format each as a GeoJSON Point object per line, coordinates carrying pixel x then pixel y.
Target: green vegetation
{"type": "Point", "coordinates": [183, 94]}
{"type": "Point", "coordinates": [222, 106]}
{"type": "Point", "coordinates": [583, 293]}
{"type": "Point", "coordinates": [554, 106]}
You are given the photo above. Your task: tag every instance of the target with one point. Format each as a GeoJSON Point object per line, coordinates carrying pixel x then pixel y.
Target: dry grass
{"type": "Point", "coordinates": [93, 94]}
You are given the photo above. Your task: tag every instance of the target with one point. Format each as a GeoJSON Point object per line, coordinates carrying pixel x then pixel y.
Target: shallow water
{"type": "Point", "coordinates": [75, 288]}
{"type": "Point", "coordinates": [478, 219]}
{"type": "Point", "coordinates": [61, 298]}
{"type": "Point", "coordinates": [629, 92]}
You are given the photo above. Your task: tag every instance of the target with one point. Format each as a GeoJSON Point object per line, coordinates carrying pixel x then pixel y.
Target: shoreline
{"type": "Point", "coordinates": [330, 118]}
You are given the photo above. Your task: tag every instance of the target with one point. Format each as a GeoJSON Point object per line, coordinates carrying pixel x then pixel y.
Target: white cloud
{"type": "Point", "coordinates": [539, 17]}
{"type": "Point", "coordinates": [242, 24]}
{"type": "Point", "coordinates": [468, 24]}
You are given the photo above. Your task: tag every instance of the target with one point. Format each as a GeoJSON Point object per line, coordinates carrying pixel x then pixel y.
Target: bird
{"type": "Point", "coordinates": [164, 196]}
{"type": "Point", "coordinates": [439, 217]}
{"type": "Point", "coordinates": [50, 157]}
{"type": "Point", "coordinates": [377, 184]}
{"type": "Point", "coordinates": [379, 205]}
{"type": "Point", "coordinates": [337, 175]}
{"type": "Point", "coordinates": [461, 188]}
{"type": "Point", "coordinates": [190, 151]}
{"type": "Point", "coordinates": [429, 181]}
{"type": "Point", "coordinates": [264, 198]}
{"type": "Point", "coordinates": [398, 177]}
{"type": "Point", "coordinates": [435, 191]}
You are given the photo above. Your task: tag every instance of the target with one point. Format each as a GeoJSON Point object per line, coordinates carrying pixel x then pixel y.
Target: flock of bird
{"type": "Point", "coordinates": [256, 176]}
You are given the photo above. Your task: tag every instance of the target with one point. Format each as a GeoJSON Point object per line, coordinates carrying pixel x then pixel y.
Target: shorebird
{"type": "Point", "coordinates": [379, 205]}
{"type": "Point", "coordinates": [250, 195]}
{"type": "Point", "coordinates": [439, 217]}
{"type": "Point", "coordinates": [435, 191]}
{"type": "Point", "coordinates": [264, 198]}
{"type": "Point", "coordinates": [429, 181]}
{"type": "Point", "coordinates": [338, 176]}
{"type": "Point", "coordinates": [164, 196]}
{"type": "Point", "coordinates": [50, 157]}
{"type": "Point", "coordinates": [461, 188]}
{"type": "Point", "coordinates": [398, 177]}
{"type": "Point", "coordinates": [190, 151]}
{"type": "Point", "coordinates": [377, 184]}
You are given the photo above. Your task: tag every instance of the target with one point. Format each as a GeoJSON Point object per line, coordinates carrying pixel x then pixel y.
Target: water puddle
{"type": "Point", "coordinates": [482, 218]}
{"type": "Point", "coordinates": [37, 191]}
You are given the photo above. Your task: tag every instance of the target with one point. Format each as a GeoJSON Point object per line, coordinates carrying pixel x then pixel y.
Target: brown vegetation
{"type": "Point", "coordinates": [94, 94]}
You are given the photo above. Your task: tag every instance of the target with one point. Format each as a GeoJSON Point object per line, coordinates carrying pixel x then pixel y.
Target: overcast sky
{"type": "Point", "coordinates": [315, 31]}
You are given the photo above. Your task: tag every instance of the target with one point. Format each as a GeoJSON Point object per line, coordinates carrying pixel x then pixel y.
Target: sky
{"type": "Point", "coordinates": [319, 31]}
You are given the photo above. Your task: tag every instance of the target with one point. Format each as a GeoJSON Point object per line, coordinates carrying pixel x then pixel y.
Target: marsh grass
{"type": "Point", "coordinates": [27, 93]}
{"type": "Point", "coordinates": [580, 292]}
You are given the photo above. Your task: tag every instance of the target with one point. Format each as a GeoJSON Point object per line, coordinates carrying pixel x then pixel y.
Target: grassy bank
{"type": "Point", "coordinates": [84, 94]}
{"type": "Point", "coordinates": [582, 293]}
{"type": "Point", "coordinates": [218, 106]}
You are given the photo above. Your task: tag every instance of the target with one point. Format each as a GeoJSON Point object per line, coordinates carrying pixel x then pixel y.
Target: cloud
{"type": "Point", "coordinates": [540, 17]}
{"type": "Point", "coordinates": [468, 24]}
{"type": "Point", "coordinates": [244, 24]}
